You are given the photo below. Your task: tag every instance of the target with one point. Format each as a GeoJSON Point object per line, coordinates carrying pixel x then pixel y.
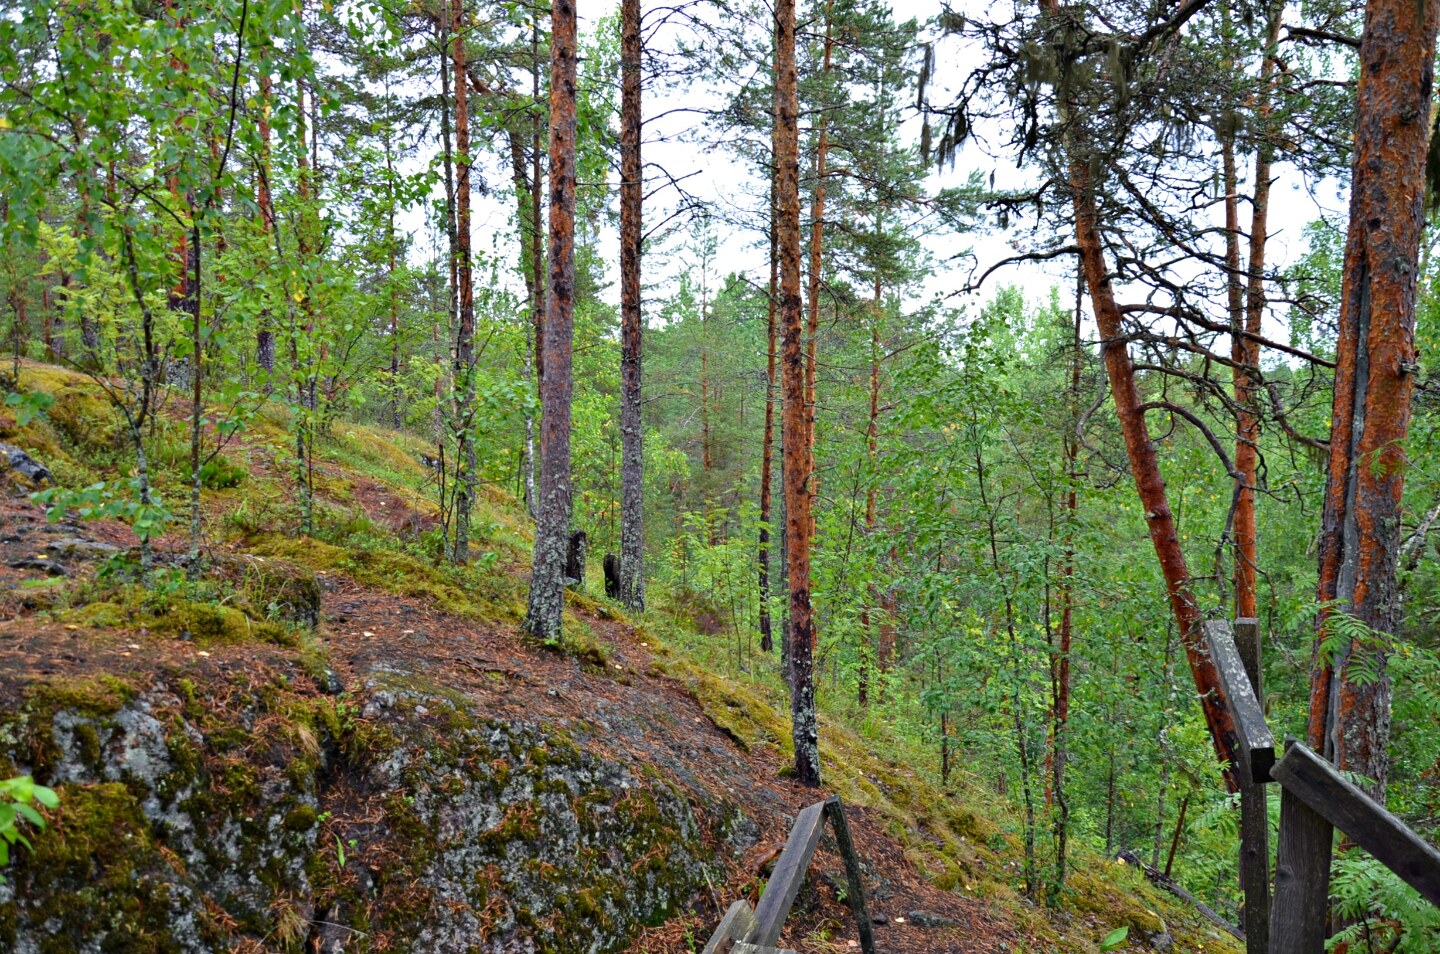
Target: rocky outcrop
{"type": "Point", "coordinates": [236, 816]}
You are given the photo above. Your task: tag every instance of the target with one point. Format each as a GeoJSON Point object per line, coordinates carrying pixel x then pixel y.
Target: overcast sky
{"type": "Point", "coordinates": [720, 178]}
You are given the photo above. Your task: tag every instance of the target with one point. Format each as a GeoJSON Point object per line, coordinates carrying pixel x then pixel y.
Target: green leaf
{"type": "Point", "coordinates": [1115, 938]}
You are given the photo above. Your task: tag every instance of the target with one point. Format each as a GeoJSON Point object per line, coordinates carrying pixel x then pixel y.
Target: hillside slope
{"type": "Point", "coordinates": [333, 743]}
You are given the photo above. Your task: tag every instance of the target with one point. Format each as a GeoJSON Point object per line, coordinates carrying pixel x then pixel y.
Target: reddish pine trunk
{"type": "Point", "coordinates": [1144, 464]}
{"type": "Point", "coordinates": [1374, 378]}
{"type": "Point", "coordinates": [1245, 349]}
{"type": "Point", "coordinates": [793, 426]}
{"type": "Point", "coordinates": [632, 460]}
{"type": "Point", "coordinates": [817, 261]}
{"type": "Point", "coordinates": [547, 579]}
{"type": "Point", "coordinates": [889, 605]}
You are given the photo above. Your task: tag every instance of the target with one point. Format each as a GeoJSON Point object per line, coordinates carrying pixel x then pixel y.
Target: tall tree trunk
{"type": "Point", "coordinates": [817, 257]}
{"type": "Point", "coordinates": [197, 392]}
{"type": "Point", "coordinates": [1246, 430]}
{"type": "Point", "coordinates": [265, 334]}
{"type": "Point", "coordinates": [798, 468]}
{"type": "Point", "coordinates": [547, 579]}
{"type": "Point", "coordinates": [872, 458]}
{"type": "Point", "coordinates": [47, 322]}
{"type": "Point", "coordinates": [19, 329]}
{"type": "Point", "coordinates": [304, 365]}
{"type": "Point", "coordinates": [1017, 709]}
{"type": "Point", "coordinates": [707, 462]}
{"type": "Point", "coordinates": [534, 293]}
{"type": "Point", "coordinates": [1060, 727]}
{"type": "Point", "coordinates": [767, 445]}
{"type": "Point", "coordinates": [632, 438]}
{"type": "Point", "coordinates": [1374, 379]}
{"type": "Point", "coordinates": [536, 138]}
{"type": "Point", "coordinates": [1144, 464]}
{"type": "Point", "coordinates": [1245, 350]}
{"type": "Point", "coordinates": [442, 29]}
{"type": "Point", "coordinates": [464, 365]}
{"type": "Point", "coordinates": [392, 243]}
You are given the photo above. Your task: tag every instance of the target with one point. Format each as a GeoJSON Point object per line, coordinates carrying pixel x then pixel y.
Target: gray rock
{"type": "Point", "coordinates": [930, 919]}
{"type": "Point", "coordinates": [24, 464]}
{"type": "Point", "coordinates": [503, 833]}
{"type": "Point", "coordinates": [78, 549]}
{"type": "Point", "coordinates": [48, 567]}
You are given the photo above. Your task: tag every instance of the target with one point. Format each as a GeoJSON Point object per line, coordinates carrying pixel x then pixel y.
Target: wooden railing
{"type": "Point", "coordinates": [1315, 799]}
{"type": "Point", "coordinates": [743, 931]}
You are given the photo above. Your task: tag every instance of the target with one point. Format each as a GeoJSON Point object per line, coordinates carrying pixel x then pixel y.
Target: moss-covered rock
{"type": "Point", "coordinates": [399, 821]}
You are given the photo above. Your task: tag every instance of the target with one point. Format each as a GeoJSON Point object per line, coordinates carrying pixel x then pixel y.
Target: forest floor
{"type": "Point", "coordinates": [941, 870]}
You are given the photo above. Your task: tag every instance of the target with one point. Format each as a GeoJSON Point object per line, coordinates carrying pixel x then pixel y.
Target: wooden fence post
{"type": "Point", "coordinates": [1254, 812]}
{"type": "Point", "coordinates": [836, 811]}
{"type": "Point", "coordinates": [789, 872]}
{"type": "Point", "coordinates": [1302, 877]}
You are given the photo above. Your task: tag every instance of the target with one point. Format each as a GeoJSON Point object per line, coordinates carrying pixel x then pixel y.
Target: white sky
{"type": "Point", "coordinates": [721, 179]}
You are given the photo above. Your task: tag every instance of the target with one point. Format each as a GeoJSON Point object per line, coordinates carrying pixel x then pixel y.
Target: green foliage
{"type": "Point", "coordinates": [1115, 939]}
{"type": "Point", "coordinates": [1379, 911]}
{"type": "Point", "coordinates": [27, 406]}
{"type": "Point", "coordinates": [18, 800]}
{"type": "Point", "coordinates": [101, 500]}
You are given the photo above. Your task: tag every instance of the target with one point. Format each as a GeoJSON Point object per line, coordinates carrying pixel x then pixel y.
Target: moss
{"type": "Point", "coordinates": [222, 474]}
{"type": "Point", "coordinates": [94, 879]}
{"type": "Point", "coordinates": [300, 818]}
{"type": "Point", "coordinates": [206, 623]}
{"type": "Point", "coordinates": [102, 695]}
{"type": "Point", "coordinates": [334, 725]}
{"type": "Point", "coordinates": [273, 590]}
{"type": "Point", "coordinates": [458, 591]}
{"type": "Point", "coordinates": [578, 641]}
{"type": "Point", "coordinates": [210, 623]}
{"type": "Point", "coordinates": [88, 739]}
{"type": "Point", "coordinates": [745, 718]}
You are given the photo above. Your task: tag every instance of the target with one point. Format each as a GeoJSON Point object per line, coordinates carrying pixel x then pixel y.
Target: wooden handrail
{"type": "Point", "coordinates": [1369, 824]}
{"type": "Point", "coordinates": [742, 931]}
{"type": "Point", "coordinates": [1315, 800]}
{"type": "Point", "coordinates": [1257, 745]}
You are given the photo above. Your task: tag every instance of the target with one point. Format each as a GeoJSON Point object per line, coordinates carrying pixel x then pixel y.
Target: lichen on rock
{"type": "Point", "coordinates": [396, 821]}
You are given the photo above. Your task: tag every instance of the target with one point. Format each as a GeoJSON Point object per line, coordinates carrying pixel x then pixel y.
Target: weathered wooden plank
{"type": "Point", "coordinates": [1248, 644]}
{"type": "Point", "coordinates": [1254, 812]}
{"type": "Point", "coordinates": [743, 947]}
{"type": "Point", "coordinates": [1368, 823]}
{"type": "Point", "coordinates": [738, 921]}
{"type": "Point", "coordinates": [1302, 879]}
{"type": "Point", "coordinates": [785, 883]}
{"type": "Point", "coordinates": [836, 811]}
{"type": "Point", "coordinates": [1257, 745]}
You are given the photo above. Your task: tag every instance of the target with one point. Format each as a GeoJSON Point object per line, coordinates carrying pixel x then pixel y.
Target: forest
{"type": "Point", "coordinates": [931, 373]}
